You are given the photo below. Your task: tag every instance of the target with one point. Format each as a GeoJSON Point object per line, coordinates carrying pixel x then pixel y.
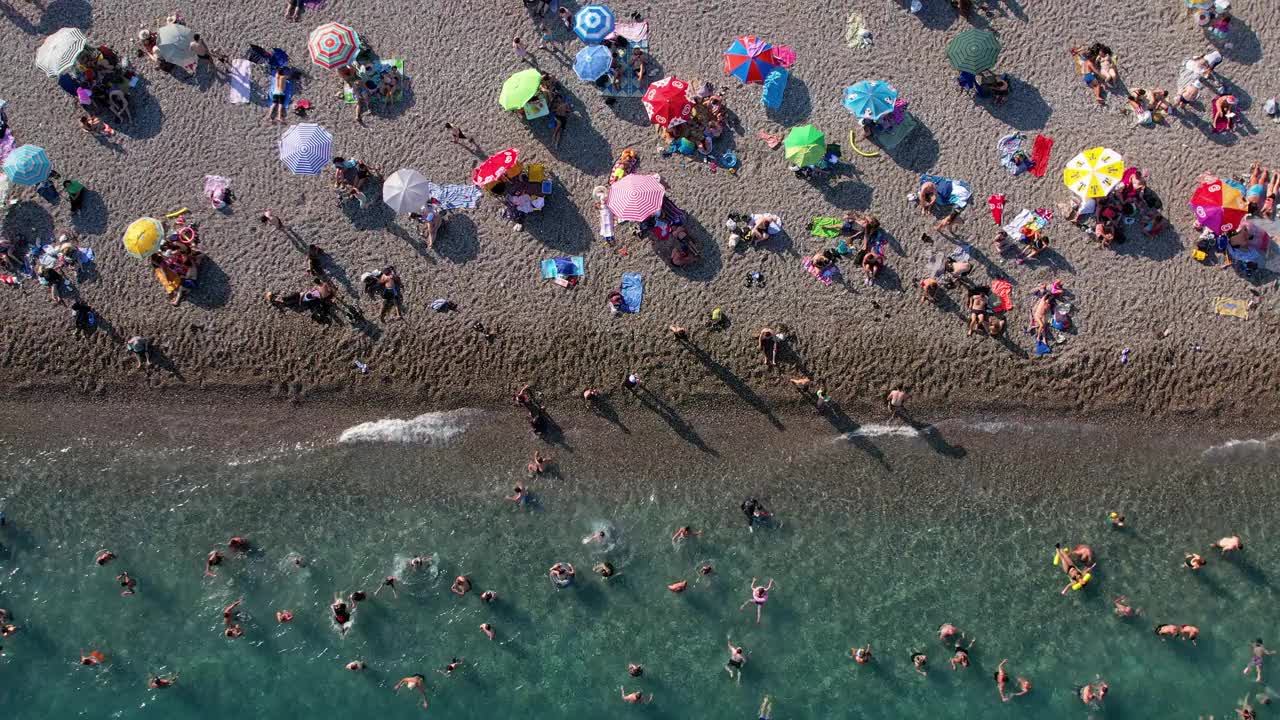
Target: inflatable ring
{"type": "Point", "coordinates": [855, 148]}
{"type": "Point", "coordinates": [187, 234]}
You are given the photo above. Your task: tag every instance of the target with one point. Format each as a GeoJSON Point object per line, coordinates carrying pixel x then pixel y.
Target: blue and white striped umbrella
{"type": "Point", "coordinates": [28, 165]}
{"type": "Point", "coordinates": [592, 62]}
{"type": "Point", "coordinates": [306, 148]}
{"type": "Point", "coordinates": [593, 23]}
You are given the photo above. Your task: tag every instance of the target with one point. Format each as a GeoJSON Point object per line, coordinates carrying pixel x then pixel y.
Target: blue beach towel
{"type": "Point", "coordinates": [632, 292]}
{"type": "Point", "coordinates": [288, 89]}
{"type": "Point", "coordinates": [775, 85]}
{"type": "Point", "coordinates": [575, 266]}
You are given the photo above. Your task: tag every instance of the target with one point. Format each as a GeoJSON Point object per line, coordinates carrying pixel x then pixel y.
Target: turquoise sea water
{"type": "Point", "coordinates": [867, 550]}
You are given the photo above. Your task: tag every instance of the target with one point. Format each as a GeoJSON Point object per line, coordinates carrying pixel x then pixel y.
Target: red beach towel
{"type": "Point", "coordinates": [1003, 290]}
{"type": "Point", "coordinates": [1040, 155]}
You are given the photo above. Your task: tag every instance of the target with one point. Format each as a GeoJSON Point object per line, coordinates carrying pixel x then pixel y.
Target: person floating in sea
{"type": "Point", "coordinates": [159, 682]}
{"type": "Point", "coordinates": [1122, 607]}
{"type": "Point", "coordinates": [127, 583]}
{"type": "Point", "coordinates": [229, 616]}
{"type": "Point", "coordinates": [1002, 679]}
{"type": "Point", "coordinates": [284, 616]}
{"type": "Point", "coordinates": [679, 586]}
{"type": "Point", "coordinates": [1083, 553]}
{"type": "Point", "coordinates": [1228, 544]}
{"type": "Point", "coordinates": [1194, 561]}
{"type": "Point", "coordinates": [598, 537]}
{"type": "Point", "coordinates": [635, 670]}
{"type": "Point", "coordinates": [488, 596]}
{"type": "Point", "coordinates": [919, 660]}
{"type": "Point", "coordinates": [1093, 694]}
{"type": "Point", "coordinates": [561, 574]}
{"type": "Point", "coordinates": [634, 698]}
{"type": "Point", "coordinates": [414, 682]}
{"type": "Point", "coordinates": [1116, 520]}
{"type": "Point", "coordinates": [211, 560]}
{"type": "Point", "coordinates": [94, 657]}
{"type": "Point", "coordinates": [737, 658]}
{"type": "Point", "coordinates": [488, 630]}
{"type": "Point", "coordinates": [238, 544]}
{"type": "Point", "coordinates": [683, 533]}
{"type": "Point", "coordinates": [759, 596]}
{"type": "Point", "coordinates": [947, 634]}
{"type": "Point", "coordinates": [604, 570]}
{"type": "Point", "coordinates": [1259, 651]}
{"type": "Point", "coordinates": [755, 512]}
{"type": "Point", "coordinates": [342, 613]}
{"type": "Point", "coordinates": [539, 464]}
{"type": "Point", "coordinates": [103, 557]}
{"type": "Point", "coordinates": [766, 708]}
{"type": "Point", "coordinates": [861, 655]}
{"type": "Point", "coordinates": [519, 497]}
{"type": "Point", "coordinates": [356, 665]}
{"type": "Point", "coordinates": [461, 585]}
{"type": "Point", "coordinates": [1166, 630]}
{"type": "Point", "coordinates": [454, 664]}
{"type": "Point", "coordinates": [960, 659]}
{"type": "Point", "coordinates": [1189, 632]}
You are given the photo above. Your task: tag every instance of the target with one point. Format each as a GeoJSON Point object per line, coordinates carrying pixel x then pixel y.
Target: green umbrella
{"type": "Point", "coordinates": [805, 146]}
{"type": "Point", "coordinates": [519, 89]}
{"type": "Point", "coordinates": [974, 51]}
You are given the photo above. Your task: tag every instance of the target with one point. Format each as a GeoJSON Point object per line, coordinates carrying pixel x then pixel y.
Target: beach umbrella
{"type": "Point", "coordinates": [333, 45]}
{"type": "Point", "coordinates": [750, 59]}
{"type": "Point", "coordinates": [496, 168]}
{"type": "Point", "coordinates": [519, 89]}
{"type": "Point", "coordinates": [667, 103]}
{"type": "Point", "coordinates": [1094, 172]}
{"type": "Point", "coordinates": [174, 44]}
{"type": "Point", "coordinates": [593, 23]}
{"type": "Point", "coordinates": [974, 51]}
{"type": "Point", "coordinates": [870, 99]}
{"type": "Point", "coordinates": [805, 146]}
{"type": "Point", "coordinates": [143, 237]}
{"type": "Point", "coordinates": [636, 197]}
{"type": "Point", "coordinates": [58, 52]}
{"type": "Point", "coordinates": [406, 190]}
{"type": "Point", "coordinates": [28, 165]}
{"type": "Point", "coordinates": [306, 148]}
{"type": "Point", "coordinates": [1219, 206]}
{"type": "Point", "coordinates": [592, 62]}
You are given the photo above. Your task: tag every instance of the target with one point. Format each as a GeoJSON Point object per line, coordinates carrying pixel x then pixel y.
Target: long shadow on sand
{"type": "Point", "coordinates": [848, 429]}
{"type": "Point", "coordinates": [670, 416]}
{"type": "Point", "coordinates": [734, 383]}
{"type": "Point", "coordinates": [57, 14]}
{"type": "Point", "coordinates": [933, 436]}
{"type": "Point", "coordinates": [148, 116]}
{"type": "Point", "coordinates": [458, 240]}
{"type": "Point", "coordinates": [581, 145]}
{"type": "Point", "coordinates": [560, 225]}
{"type": "Point", "coordinates": [1025, 109]}
{"type": "Point", "coordinates": [214, 288]}
{"type": "Point", "coordinates": [1245, 48]}
{"type": "Point", "coordinates": [92, 217]}
{"type": "Point", "coordinates": [918, 152]}
{"type": "Point", "coordinates": [602, 407]}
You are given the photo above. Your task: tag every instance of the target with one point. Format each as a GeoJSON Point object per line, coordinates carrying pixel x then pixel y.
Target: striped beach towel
{"type": "Point", "coordinates": [455, 196]}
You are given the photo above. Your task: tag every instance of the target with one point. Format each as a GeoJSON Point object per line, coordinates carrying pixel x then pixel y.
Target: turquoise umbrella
{"type": "Point", "coordinates": [870, 99]}
{"type": "Point", "coordinates": [28, 165]}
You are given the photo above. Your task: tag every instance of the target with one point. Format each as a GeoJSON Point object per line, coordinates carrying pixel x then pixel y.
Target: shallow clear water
{"type": "Point", "coordinates": [878, 551]}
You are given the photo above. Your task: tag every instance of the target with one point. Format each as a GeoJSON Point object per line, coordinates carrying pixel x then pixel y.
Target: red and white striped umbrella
{"type": "Point", "coordinates": [636, 197]}
{"type": "Point", "coordinates": [333, 45]}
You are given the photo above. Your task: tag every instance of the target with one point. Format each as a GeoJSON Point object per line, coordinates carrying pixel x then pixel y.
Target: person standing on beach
{"type": "Point", "coordinates": [457, 137]}
{"type": "Point", "coordinates": [896, 399]}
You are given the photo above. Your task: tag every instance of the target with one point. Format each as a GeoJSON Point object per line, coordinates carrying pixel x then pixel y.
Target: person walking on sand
{"type": "Point", "coordinates": [737, 658]}
{"type": "Point", "coordinates": [896, 399]}
{"type": "Point", "coordinates": [759, 596]}
{"type": "Point", "coordinates": [414, 682]}
{"type": "Point", "coordinates": [522, 53]}
{"type": "Point", "coordinates": [458, 137]}
{"type": "Point", "coordinates": [1259, 651]}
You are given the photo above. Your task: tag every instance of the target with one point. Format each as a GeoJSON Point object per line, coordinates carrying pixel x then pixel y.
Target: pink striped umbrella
{"type": "Point", "coordinates": [636, 197]}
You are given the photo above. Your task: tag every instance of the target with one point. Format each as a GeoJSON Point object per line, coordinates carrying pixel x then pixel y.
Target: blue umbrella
{"type": "Point", "coordinates": [306, 148]}
{"type": "Point", "coordinates": [593, 23]}
{"type": "Point", "coordinates": [592, 62]}
{"type": "Point", "coordinates": [28, 165]}
{"type": "Point", "coordinates": [870, 99]}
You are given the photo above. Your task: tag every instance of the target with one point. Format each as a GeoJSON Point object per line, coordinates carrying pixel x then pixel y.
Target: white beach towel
{"type": "Point", "coordinates": [238, 82]}
{"type": "Point", "coordinates": [455, 196]}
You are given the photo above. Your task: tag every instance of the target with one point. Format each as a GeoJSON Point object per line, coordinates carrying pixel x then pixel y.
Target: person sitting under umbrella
{"type": "Point", "coordinates": [685, 251]}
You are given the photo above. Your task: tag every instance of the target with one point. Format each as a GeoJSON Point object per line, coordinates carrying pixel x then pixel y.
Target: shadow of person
{"type": "Point", "coordinates": [734, 383]}
{"type": "Point", "coordinates": [92, 216]}
{"type": "Point", "coordinates": [931, 435]}
{"type": "Point", "coordinates": [602, 407]}
{"type": "Point", "coordinates": [213, 290]}
{"type": "Point", "coordinates": [458, 240]}
{"type": "Point", "coordinates": [1025, 108]}
{"type": "Point", "coordinates": [672, 418]}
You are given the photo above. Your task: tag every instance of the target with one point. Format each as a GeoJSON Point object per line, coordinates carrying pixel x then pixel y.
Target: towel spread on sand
{"type": "Point", "coordinates": [1231, 307]}
{"type": "Point", "coordinates": [632, 32]}
{"type": "Point", "coordinates": [1040, 148]}
{"type": "Point", "coordinates": [631, 86]}
{"type": "Point", "coordinates": [775, 86]}
{"type": "Point", "coordinates": [632, 291]}
{"type": "Point", "coordinates": [825, 227]}
{"type": "Point", "coordinates": [575, 266]}
{"type": "Point", "coordinates": [86, 255]}
{"type": "Point", "coordinates": [827, 276]}
{"type": "Point", "coordinates": [1003, 290]}
{"type": "Point", "coordinates": [238, 82]}
{"type": "Point", "coordinates": [455, 196]}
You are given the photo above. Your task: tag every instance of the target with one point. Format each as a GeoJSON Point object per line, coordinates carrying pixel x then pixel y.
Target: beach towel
{"type": "Point", "coordinates": [827, 276]}
{"type": "Point", "coordinates": [606, 223]}
{"type": "Point", "coordinates": [167, 279]}
{"type": "Point", "coordinates": [893, 137]}
{"type": "Point", "coordinates": [631, 86]}
{"type": "Point", "coordinates": [632, 32]}
{"type": "Point", "coordinates": [1040, 148]}
{"type": "Point", "coordinates": [632, 291]}
{"type": "Point", "coordinates": [1042, 348]}
{"type": "Point", "coordinates": [775, 86]}
{"type": "Point", "coordinates": [996, 203]}
{"type": "Point", "coordinates": [7, 145]}
{"type": "Point", "coordinates": [1231, 307]}
{"type": "Point", "coordinates": [256, 54]}
{"type": "Point", "coordinates": [85, 256]}
{"type": "Point", "coordinates": [9, 279]}
{"type": "Point", "coordinates": [825, 227]}
{"type": "Point", "coordinates": [238, 81]}
{"type": "Point", "coordinates": [455, 196]}
{"type": "Point", "coordinates": [1003, 290]}
{"type": "Point", "coordinates": [575, 266]}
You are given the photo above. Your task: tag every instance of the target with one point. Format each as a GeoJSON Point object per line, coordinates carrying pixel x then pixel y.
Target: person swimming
{"type": "Point", "coordinates": [388, 582]}
{"type": "Point", "coordinates": [126, 582]}
{"type": "Point", "coordinates": [759, 596]}
{"type": "Point", "coordinates": [737, 658]}
{"type": "Point", "coordinates": [461, 585]}
{"type": "Point", "coordinates": [598, 536]}
{"type": "Point", "coordinates": [342, 613]}
{"type": "Point", "coordinates": [488, 630]}
{"type": "Point", "coordinates": [861, 655]}
{"type": "Point", "coordinates": [103, 557]}
{"type": "Point", "coordinates": [604, 570]}
{"type": "Point", "coordinates": [214, 558]}
{"type": "Point", "coordinates": [919, 660]}
{"type": "Point", "coordinates": [561, 574]}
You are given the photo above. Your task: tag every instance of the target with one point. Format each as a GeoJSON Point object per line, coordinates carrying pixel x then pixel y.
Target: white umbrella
{"type": "Point", "coordinates": [59, 51]}
{"type": "Point", "coordinates": [175, 44]}
{"type": "Point", "coordinates": [406, 190]}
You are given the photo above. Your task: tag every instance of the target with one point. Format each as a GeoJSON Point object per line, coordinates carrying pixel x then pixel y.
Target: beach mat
{"type": "Point", "coordinates": [890, 139]}
{"type": "Point", "coordinates": [1002, 289]}
{"type": "Point", "coordinates": [455, 196]}
{"type": "Point", "coordinates": [238, 82]}
{"type": "Point", "coordinates": [1231, 307]}
{"type": "Point", "coordinates": [577, 263]}
{"type": "Point", "coordinates": [630, 86]}
{"type": "Point", "coordinates": [827, 277]}
{"type": "Point", "coordinates": [1040, 149]}
{"type": "Point", "coordinates": [825, 227]}
{"type": "Point", "coordinates": [632, 292]}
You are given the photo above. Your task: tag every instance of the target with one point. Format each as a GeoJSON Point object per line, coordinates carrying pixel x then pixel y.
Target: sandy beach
{"type": "Point", "coordinates": [226, 342]}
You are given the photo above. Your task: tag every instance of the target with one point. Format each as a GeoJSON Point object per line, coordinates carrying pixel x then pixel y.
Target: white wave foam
{"type": "Point", "coordinates": [883, 431]}
{"type": "Point", "coordinates": [1241, 449]}
{"type": "Point", "coordinates": [436, 428]}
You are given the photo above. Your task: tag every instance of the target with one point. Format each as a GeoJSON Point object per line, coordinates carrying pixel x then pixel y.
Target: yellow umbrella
{"type": "Point", "coordinates": [143, 237]}
{"type": "Point", "coordinates": [1094, 172]}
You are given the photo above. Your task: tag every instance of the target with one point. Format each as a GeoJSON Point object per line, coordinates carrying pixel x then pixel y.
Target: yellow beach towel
{"type": "Point", "coordinates": [1229, 306]}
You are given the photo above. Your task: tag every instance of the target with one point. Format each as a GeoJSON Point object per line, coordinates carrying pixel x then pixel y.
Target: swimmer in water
{"type": "Point", "coordinates": [683, 533]}
{"type": "Point", "coordinates": [1228, 544]}
{"type": "Point", "coordinates": [1166, 631]}
{"type": "Point", "coordinates": [960, 659]}
{"type": "Point", "coordinates": [561, 574]}
{"type": "Point", "coordinates": [1193, 561]}
{"type": "Point", "coordinates": [861, 655]}
{"type": "Point", "coordinates": [488, 596]}
{"type": "Point", "coordinates": [388, 582]}
{"type": "Point", "coordinates": [539, 464]}
{"type": "Point", "coordinates": [947, 633]}
{"type": "Point", "coordinates": [1189, 632]}
{"type": "Point", "coordinates": [238, 544]}
{"type": "Point", "coordinates": [229, 616]}
{"type": "Point", "coordinates": [759, 596]}
{"type": "Point", "coordinates": [635, 670]}
{"type": "Point", "coordinates": [461, 585]}
{"type": "Point", "coordinates": [520, 497]}
{"type": "Point", "coordinates": [213, 558]}
{"type": "Point", "coordinates": [103, 557]}
{"type": "Point", "coordinates": [705, 570]}
{"type": "Point", "coordinates": [604, 570]}
{"type": "Point", "coordinates": [127, 583]}
{"type": "Point", "coordinates": [1077, 578]}
{"type": "Point", "coordinates": [1024, 687]}
{"type": "Point", "coordinates": [284, 616]}
{"type": "Point", "coordinates": [358, 596]}
{"type": "Point", "coordinates": [1259, 651]}
{"type": "Point", "coordinates": [488, 630]}
{"type": "Point", "coordinates": [454, 664]}
{"type": "Point", "coordinates": [341, 613]}
{"type": "Point", "coordinates": [1123, 608]}
{"type": "Point", "coordinates": [595, 537]}
{"type": "Point", "coordinates": [678, 587]}
{"type": "Point", "coordinates": [737, 658]}
{"type": "Point", "coordinates": [93, 658]}
{"type": "Point", "coordinates": [766, 708]}
{"type": "Point", "coordinates": [1002, 678]}
{"type": "Point", "coordinates": [1116, 520]}
{"type": "Point", "coordinates": [919, 660]}
{"type": "Point", "coordinates": [298, 561]}
{"type": "Point", "coordinates": [356, 665]}
{"type": "Point", "coordinates": [420, 561]}
{"type": "Point", "coordinates": [414, 682]}
{"type": "Point", "coordinates": [159, 682]}
{"type": "Point", "coordinates": [1084, 553]}
{"type": "Point", "coordinates": [1093, 694]}
{"type": "Point", "coordinates": [635, 698]}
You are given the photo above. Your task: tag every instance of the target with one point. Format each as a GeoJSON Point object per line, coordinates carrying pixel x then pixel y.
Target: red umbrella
{"type": "Point", "coordinates": [495, 168]}
{"type": "Point", "coordinates": [635, 197]}
{"type": "Point", "coordinates": [667, 103]}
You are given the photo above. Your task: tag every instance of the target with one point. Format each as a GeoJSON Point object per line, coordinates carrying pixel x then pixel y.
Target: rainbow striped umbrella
{"type": "Point", "coordinates": [636, 197]}
{"type": "Point", "coordinates": [28, 165]}
{"type": "Point", "coordinates": [593, 23]}
{"type": "Point", "coordinates": [750, 59]}
{"type": "Point", "coordinates": [333, 45]}
{"type": "Point", "coordinates": [1219, 206]}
